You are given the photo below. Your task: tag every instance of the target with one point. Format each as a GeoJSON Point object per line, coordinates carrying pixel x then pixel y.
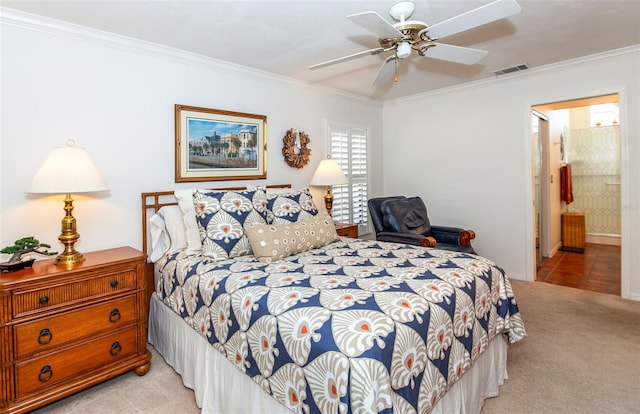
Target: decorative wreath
{"type": "Point", "coordinates": [294, 148]}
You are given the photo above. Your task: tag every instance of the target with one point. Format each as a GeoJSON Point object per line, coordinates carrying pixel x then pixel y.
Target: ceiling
{"type": "Point", "coordinates": [285, 37]}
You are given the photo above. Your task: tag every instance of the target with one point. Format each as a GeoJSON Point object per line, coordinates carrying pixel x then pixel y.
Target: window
{"type": "Point", "coordinates": [604, 114]}
{"type": "Point", "coordinates": [348, 146]}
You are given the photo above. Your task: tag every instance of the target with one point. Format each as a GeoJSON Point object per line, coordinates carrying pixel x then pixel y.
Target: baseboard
{"type": "Point", "coordinates": [608, 239]}
{"type": "Point", "coordinates": [555, 249]}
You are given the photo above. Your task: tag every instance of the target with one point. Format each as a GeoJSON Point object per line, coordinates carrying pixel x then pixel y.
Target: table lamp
{"type": "Point", "coordinates": [327, 174]}
{"type": "Point", "coordinates": [67, 170]}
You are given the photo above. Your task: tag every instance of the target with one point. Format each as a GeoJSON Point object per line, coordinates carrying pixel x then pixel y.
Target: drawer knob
{"type": "Point", "coordinates": [114, 316]}
{"type": "Point", "coordinates": [114, 283]}
{"type": "Point", "coordinates": [44, 299]}
{"type": "Point", "coordinates": [45, 336]}
{"type": "Point", "coordinates": [116, 348]}
{"type": "Point", "coordinates": [45, 373]}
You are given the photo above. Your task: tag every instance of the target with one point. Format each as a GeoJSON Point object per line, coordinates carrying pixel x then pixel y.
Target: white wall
{"type": "Point", "coordinates": [467, 152]}
{"type": "Point", "coordinates": [116, 98]}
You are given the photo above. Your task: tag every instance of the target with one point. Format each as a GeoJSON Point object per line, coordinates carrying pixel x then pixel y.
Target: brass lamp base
{"type": "Point", "coordinates": [69, 259]}
{"type": "Point", "coordinates": [68, 237]}
{"type": "Point", "coordinates": [328, 200]}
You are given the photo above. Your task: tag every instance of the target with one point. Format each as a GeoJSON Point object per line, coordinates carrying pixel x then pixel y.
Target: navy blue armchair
{"type": "Point", "coordinates": [402, 219]}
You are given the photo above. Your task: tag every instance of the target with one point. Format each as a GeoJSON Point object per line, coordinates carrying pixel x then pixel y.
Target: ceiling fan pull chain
{"type": "Point", "coordinates": [395, 77]}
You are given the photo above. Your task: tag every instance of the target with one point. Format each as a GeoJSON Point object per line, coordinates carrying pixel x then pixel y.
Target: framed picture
{"type": "Point", "coordinates": [213, 145]}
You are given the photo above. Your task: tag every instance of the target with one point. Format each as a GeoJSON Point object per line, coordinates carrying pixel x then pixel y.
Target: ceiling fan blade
{"type": "Point", "coordinates": [374, 23]}
{"type": "Point", "coordinates": [458, 54]}
{"type": "Point", "coordinates": [488, 13]}
{"type": "Point", "coordinates": [386, 71]}
{"type": "Point", "coordinates": [345, 58]}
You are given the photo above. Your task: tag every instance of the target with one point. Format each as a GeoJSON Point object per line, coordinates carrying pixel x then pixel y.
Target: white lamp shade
{"type": "Point", "coordinates": [328, 172]}
{"type": "Point", "coordinates": [67, 170]}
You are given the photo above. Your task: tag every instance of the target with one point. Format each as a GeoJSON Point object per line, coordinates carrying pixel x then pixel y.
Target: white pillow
{"type": "Point", "coordinates": [185, 201]}
{"type": "Point", "coordinates": [160, 239]}
{"type": "Point", "coordinates": [281, 190]}
{"type": "Point", "coordinates": [272, 190]}
{"type": "Point", "coordinates": [168, 232]}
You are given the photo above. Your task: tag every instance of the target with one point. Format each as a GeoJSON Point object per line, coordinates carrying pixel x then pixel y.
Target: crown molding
{"type": "Point", "coordinates": [29, 21]}
{"type": "Point", "coordinates": [530, 72]}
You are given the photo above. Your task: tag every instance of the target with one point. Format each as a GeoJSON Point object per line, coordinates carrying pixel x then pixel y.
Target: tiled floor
{"type": "Point", "coordinates": [597, 269]}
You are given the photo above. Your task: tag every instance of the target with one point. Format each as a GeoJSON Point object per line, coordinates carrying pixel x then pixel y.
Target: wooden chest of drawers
{"type": "Point", "coordinates": [64, 329]}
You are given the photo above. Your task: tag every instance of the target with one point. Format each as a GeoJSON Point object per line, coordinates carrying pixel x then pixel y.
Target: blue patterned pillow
{"type": "Point", "coordinates": [221, 216]}
{"type": "Point", "coordinates": [290, 207]}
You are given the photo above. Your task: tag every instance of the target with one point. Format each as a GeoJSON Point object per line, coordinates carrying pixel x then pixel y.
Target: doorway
{"type": "Point", "coordinates": [583, 137]}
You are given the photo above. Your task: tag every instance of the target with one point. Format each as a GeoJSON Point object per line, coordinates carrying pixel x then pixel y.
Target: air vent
{"type": "Point", "coordinates": [517, 68]}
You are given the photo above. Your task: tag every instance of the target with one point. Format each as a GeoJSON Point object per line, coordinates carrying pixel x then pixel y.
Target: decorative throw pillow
{"type": "Point", "coordinates": [290, 207]}
{"type": "Point", "coordinates": [271, 242]}
{"type": "Point", "coordinates": [221, 216]}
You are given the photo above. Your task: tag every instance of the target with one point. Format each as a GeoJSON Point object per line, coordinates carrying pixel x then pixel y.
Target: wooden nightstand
{"type": "Point", "coordinates": [64, 329]}
{"type": "Point", "coordinates": [347, 230]}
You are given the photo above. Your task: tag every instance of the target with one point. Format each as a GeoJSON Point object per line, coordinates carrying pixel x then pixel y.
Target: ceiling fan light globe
{"type": "Point", "coordinates": [404, 50]}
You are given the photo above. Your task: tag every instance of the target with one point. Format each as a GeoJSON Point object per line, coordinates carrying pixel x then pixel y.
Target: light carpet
{"type": "Point", "coordinates": [582, 355]}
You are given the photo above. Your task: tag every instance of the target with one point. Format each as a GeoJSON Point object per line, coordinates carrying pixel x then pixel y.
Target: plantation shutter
{"type": "Point", "coordinates": [348, 146]}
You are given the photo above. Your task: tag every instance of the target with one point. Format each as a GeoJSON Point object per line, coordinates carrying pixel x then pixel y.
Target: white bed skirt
{"type": "Point", "coordinates": [221, 388]}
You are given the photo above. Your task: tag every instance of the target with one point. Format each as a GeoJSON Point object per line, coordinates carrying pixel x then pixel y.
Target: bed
{"type": "Point", "coordinates": [289, 317]}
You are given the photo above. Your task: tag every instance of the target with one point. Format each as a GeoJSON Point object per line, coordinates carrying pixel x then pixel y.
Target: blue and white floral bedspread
{"type": "Point", "coordinates": [355, 327]}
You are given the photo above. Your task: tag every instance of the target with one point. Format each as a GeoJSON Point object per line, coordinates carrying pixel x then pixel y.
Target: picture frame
{"type": "Point", "coordinates": [216, 145]}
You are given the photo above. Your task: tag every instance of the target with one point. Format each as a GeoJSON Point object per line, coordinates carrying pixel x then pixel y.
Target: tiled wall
{"type": "Point", "coordinates": [594, 155]}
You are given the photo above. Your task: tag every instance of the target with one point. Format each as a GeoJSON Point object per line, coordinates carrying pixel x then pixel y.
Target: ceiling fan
{"type": "Point", "coordinates": [407, 35]}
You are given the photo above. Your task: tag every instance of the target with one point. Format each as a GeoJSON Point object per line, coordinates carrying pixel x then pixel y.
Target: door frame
{"type": "Point", "coordinates": [625, 233]}
{"type": "Point", "coordinates": [543, 225]}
